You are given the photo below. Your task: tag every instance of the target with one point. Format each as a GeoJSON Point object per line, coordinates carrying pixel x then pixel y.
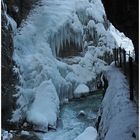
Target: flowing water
{"type": "Point", "coordinates": [70, 123]}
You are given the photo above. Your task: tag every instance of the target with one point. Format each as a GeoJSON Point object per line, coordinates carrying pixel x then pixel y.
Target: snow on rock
{"type": "Point", "coordinates": [6, 135]}
{"type": "Point", "coordinates": [12, 23]}
{"type": "Point", "coordinates": [101, 36]}
{"type": "Point", "coordinates": [89, 66]}
{"type": "Point", "coordinates": [98, 14]}
{"type": "Point", "coordinates": [81, 113]}
{"type": "Point", "coordinates": [82, 89]}
{"type": "Point", "coordinates": [122, 40]}
{"type": "Point", "coordinates": [90, 133]}
{"type": "Point", "coordinates": [10, 20]}
{"type": "Point", "coordinates": [44, 109]}
{"type": "Point", "coordinates": [119, 117]}
{"type": "Point", "coordinates": [25, 133]}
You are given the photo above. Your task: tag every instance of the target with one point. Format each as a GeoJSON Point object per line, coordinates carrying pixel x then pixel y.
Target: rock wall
{"type": "Point", "coordinates": [17, 9]}
{"type": "Point", "coordinates": [8, 78]}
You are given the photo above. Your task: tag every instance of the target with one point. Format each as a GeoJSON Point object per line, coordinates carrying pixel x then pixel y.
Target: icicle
{"type": "Point", "coordinates": [61, 38]}
{"type": "Point", "coordinates": [53, 44]}
{"type": "Point", "coordinates": [65, 33]}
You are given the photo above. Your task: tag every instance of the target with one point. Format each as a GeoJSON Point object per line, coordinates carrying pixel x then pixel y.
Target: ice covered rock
{"type": "Point", "coordinates": [25, 133]}
{"type": "Point", "coordinates": [90, 133]}
{"type": "Point", "coordinates": [6, 135]}
{"type": "Point", "coordinates": [81, 113]}
{"type": "Point", "coordinates": [121, 40]}
{"type": "Point", "coordinates": [66, 100]}
{"type": "Point", "coordinates": [43, 111]}
{"type": "Point", "coordinates": [81, 90]}
{"type": "Point", "coordinates": [25, 124]}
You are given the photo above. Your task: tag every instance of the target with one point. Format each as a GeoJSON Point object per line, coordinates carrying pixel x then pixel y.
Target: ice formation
{"type": "Point", "coordinates": [121, 40]}
{"type": "Point", "coordinates": [44, 109]}
{"type": "Point", "coordinates": [25, 133]}
{"type": "Point", "coordinates": [90, 133]}
{"type": "Point", "coordinates": [40, 38]}
{"type": "Point", "coordinates": [81, 90]}
{"type": "Point", "coordinates": [6, 135]}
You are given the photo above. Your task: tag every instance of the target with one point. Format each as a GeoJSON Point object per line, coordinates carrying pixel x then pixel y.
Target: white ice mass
{"type": "Point", "coordinates": [46, 82]}
{"type": "Point", "coordinates": [40, 113]}
{"type": "Point", "coordinates": [90, 133]}
{"type": "Point", "coordinates": [81, 90]}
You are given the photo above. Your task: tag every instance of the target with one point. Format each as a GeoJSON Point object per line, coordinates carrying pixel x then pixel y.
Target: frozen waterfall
{"type": "Point", "coordinates": [38, 41]}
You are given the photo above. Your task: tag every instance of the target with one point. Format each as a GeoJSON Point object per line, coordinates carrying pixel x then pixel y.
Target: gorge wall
{"type": "Point", "coordinates": [124, 16]}
{"type": "Point", "coordinates": [18, 10]}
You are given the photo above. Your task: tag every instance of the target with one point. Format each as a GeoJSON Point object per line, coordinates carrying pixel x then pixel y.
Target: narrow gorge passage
{"type": "Point", "coordinates": [60, 52]}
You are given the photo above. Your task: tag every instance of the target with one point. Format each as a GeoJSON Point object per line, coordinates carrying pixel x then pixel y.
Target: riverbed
{"type": "Point", "coordinates": [74, 117]}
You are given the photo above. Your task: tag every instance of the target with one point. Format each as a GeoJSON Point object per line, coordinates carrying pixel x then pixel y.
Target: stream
{"type": "Point", "coordinates": [70, 123]}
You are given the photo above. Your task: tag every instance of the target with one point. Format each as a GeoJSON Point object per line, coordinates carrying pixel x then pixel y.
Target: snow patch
{"type": "Point", "coordinates": [119, 118]}
{"type": "Point", "coordinates": [25, 133]}
{"type": "Point", "coordinates": [90, 133]}
{"type": "Point", "coordinates": [6, 135]}
{"type": "Point", "coordinates": [122, 40]}
{"type": "Point", "coordinates": [82, 89]}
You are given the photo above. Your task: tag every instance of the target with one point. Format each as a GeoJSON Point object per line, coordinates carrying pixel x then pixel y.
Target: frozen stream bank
{"type": "Point", "coordinates": [70, 123]}
{"type": "Point", "coordinates": [118, 114]}
{"type": "Point", "coordinates": [76, 118]}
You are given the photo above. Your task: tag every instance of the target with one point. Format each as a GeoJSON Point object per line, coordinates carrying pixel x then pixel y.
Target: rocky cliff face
{"type": "Point", "coordinates": [8, 78]}
{"type": "Point", "coordinates": [17, 10]}
{"type": "Point", "coordinates": [124, 16]}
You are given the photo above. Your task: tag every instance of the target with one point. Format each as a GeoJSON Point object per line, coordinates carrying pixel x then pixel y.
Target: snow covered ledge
{"type": "Point", "coordinates": [118, 116]}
